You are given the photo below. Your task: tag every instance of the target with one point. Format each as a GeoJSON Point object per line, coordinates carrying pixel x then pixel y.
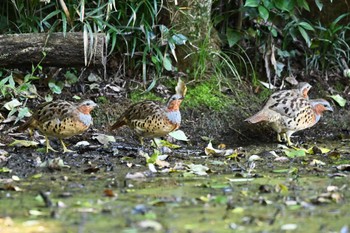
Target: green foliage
{"type": "Point", "coordinates": [331, 47]}
{"type": "Point", "coordinates": [269, 16]}
{"type": "Point", "coordinates": [22, 90]}
{"type": "Point", "coordinates": [131, 28]}
{"type": "Point", "coordinates": [275, 34]}
{"type": "Point", "coordinates": [219, 64]}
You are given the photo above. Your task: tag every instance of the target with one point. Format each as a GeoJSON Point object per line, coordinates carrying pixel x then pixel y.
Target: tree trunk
{"type": "Point", "coordinates": [193, 19]}
{"type": "Point", "coordinates": [53, 49]}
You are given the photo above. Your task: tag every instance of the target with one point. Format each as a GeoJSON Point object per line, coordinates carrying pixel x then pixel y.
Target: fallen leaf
{"type": "Point", "coordinates": [316, 162]}
{"type": "Point", "coordinates": [198, 169]}
{"type": "Point", "coordinates": [5, 170]}
{"type": "Point", "coordinates": [340, 100]}
{"type": "Point", "coordinates": [152, 167]}
{"type": "Point", "coordinates": [36, 213]}
{"type": "Point", "coordinates": [282, 159]}
{"type": "Point", "coordinates": [103, 138]}
{"type": "Point", "coordinates": [135, 176]}
{"type": "Point", "coordinates": [153, 157]}
{"type": "Point", "coordinates": [109, 193]}
{"type": "Point", "coordinates": [292, 153]}
{"type": "Point", "coordinates": [56, 164]}
{"type": "Point", "coordinates": [114, 88]}
{"type": "Point", "coordinates": [82, 144]}
{"type": "Point", "coordinates": [210, 150]}
{"type": "Point", "coordinates": [179, 135]}
{"type": "Point", "coordinates": [254, 158]}
{"type": "Point", "coordinates": [281, 188]}
{"type": "Point", "coordinates": [332, 188]}
{"type": "Point", "coordinates": [24, 143]}
{"type": "Point", "coordinates": [94, 78]}
{"type": "Point", "coordinates": [150, 225]}
{"type": "Point", "coordinates": [241, 180]}
{"type": "Point", "coordinates": [164, 143]}
{"type": "Point", "coordinates": [289, 227]}
{"type": "Point", "coordinates": [12, 104]}
{"type": "Point", "coordinates": [37, 176]}
{"type": "Point", "coordinates": [15, 178]}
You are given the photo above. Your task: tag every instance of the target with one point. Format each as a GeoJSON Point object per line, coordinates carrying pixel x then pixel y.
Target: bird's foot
{"type": "Point", "coordinates": [48, 147]}
{"type": "Point", "coordinates": [65, 149]}
{"type": "Point", "coordinates": [289, 142]}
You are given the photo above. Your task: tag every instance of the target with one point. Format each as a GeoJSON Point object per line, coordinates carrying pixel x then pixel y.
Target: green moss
{"type": "Point", "coordinates": [203, 94]}
{"type": "Point", "coordinates": [338, 86]}
{"type": "Point", "coordinates": [137, 96]}
{"type": "Point", "coordinates": [207, 94]}
{"type": "Point", "coordinates": [102, 100]}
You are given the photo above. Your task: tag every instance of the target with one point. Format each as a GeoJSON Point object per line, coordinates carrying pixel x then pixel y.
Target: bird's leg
{"type": "Point", "coordinates": [285, 138]}
{"type": "Point", "coordinates": [279, 139]}
{"type": "Point", "coordinates": [65, 149]}
{"type": "Point", "coordinates": [289, 142]}
{"type": "Point", "coordinates": [141, 141]}
{"type": "Point", "coordinates": [48, 146]}
{"type": "Point", "coordinates": [155, 143]}
{"type": "Point", "coordinates": [31, 133]}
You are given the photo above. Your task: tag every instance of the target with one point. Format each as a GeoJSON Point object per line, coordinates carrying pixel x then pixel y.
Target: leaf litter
{"type": "Point", "coordinates": [241, 184]}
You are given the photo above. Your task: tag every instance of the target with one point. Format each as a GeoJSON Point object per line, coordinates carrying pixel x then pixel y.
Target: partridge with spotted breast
{"type": "Point", "coordinates": [150, 119]}
{"type": "Point", "coordinates": [292, 115]}
{"type": "Point", "coordinates": [278, 102]}
{"type": "Point", "coordinates": [60, 119]}
{"type": "Point", "coordinates": [306, 115]}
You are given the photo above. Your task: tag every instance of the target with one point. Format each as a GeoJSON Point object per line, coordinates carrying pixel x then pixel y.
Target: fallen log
{"type": "Point", "coordinates": [54, 49]}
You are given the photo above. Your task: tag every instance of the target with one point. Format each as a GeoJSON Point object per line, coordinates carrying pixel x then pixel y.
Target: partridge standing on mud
{"type": "Point", "coordinates": [278, 102]}
{"type": "Point", "coordinates": [151, 119]}
{"type": "Point", "coordinates": [60, 119]}
{"type": "Point", "coordinates": [291, 115]}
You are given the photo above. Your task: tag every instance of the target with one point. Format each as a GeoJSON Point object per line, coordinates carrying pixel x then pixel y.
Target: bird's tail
{"type": "Point", "coordinates": [117, 125]}
{"type": "Point", "coordinates": [25, 125]}
{"type": "Point", "coordinates": [258, 117]}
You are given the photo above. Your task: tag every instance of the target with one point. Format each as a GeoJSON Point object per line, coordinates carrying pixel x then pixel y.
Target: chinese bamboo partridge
{"type": "Point", "coordinates": [301, 90]}
{"type": "Point", "coordinates": [278, 102]}
{"type": "Point", "coordinates": [151, 119]}
{"type": "Point", "coordinates": [291, 115]}
{"type": "Point", "coordinates": [60, 119]}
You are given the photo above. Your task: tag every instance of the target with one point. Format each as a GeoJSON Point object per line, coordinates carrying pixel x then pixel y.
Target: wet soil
{"type": "Point", "coordinates": [106, 188]}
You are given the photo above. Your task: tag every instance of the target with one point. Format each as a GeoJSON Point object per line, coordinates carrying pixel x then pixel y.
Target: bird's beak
{"type": "Point", "coordinates": [330, 109]}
